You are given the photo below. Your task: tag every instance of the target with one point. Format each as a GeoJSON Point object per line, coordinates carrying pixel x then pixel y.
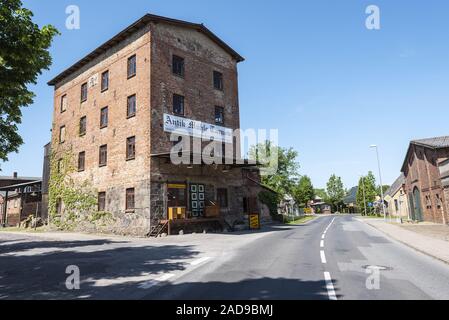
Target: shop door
{"type": "Point", "coordinates": [177, 200]}
{"type": "Point", "coordinates": [197, 200]}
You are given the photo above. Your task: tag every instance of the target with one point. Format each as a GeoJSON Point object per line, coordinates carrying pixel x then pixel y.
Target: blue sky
{"type": "Point", "coordinates": [313, 70]}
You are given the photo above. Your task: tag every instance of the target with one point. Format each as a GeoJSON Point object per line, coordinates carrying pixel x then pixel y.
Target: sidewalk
{"type": "Point", "coordinates": [427, 238]}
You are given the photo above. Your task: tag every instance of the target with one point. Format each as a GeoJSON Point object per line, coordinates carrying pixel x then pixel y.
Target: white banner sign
{"type": "Point", "coordinates": [197, 129]}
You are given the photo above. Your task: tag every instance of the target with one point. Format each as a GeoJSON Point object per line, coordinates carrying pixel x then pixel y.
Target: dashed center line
{"type": "Point", "coordinates": [152, 283]}
{"type": "Point", "coordinates": [327, 276]}
{"type": "Point", "coordinates": [329, 286]}
{"type": "Point", "coordinates": [199, 261]}
{"type": "Point", "coordinates": [323, 257]}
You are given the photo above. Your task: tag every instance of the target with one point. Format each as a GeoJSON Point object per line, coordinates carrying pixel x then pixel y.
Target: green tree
{"type": "Point", "coordinates": [280, 175]}
{"type": "Point", "coordinates": [304, 191]}
{"type": "Point", "coordinates": [335, 191]}
{"type": "Point", "coordinates": [23, 56]}
{"type": "Point", "coordinates": [367, 185]}
{"type": "Point", "coordinates": [321, 193]}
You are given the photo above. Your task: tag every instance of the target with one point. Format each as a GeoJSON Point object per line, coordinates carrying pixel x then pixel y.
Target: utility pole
{"type": "Point", "coordinates": [380, 179]}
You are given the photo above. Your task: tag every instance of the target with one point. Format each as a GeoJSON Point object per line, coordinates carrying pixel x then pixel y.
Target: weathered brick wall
{"type": "Point", "coordinates": [119, 174]}
{"type": "Point", "coordinates": [202, 56]}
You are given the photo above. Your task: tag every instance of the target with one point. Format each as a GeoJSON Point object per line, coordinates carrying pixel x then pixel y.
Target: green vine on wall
{"type": "Point", "coordinates": [70, 202]}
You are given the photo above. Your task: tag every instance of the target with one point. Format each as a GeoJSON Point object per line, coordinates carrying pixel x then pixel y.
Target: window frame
{"type": "Point", "coordinates": [105, 149]}
{"type": "Point", "coordinates": [101, 205]}
{"type": "Point", "coordinates": [84, 99]}
{"type": "Point", "coordinates": [180, 62]}
{"type": "Point", "coordinates": [128, 115]}
{"type": "Point", "coordinates": [183, 105]}
{"type": "Point", "coordinates": [62, 136]}
{"type": "Point", "coordinates": [63, 106]}
{"type": "Point", "coordinates": [128, 193]}
{"type": "Point", "coordinates": [82, 155]}
{"type": "Point", "coordinates": [128, 69]}
{"type": "Point", "coordinates": [220, 86]}
{"type": "Point", "coordinates": [133, 146]}
{"type": "Point", "coordinates": [82, 133]}
{"type": "Point", "coordinates": [103, 89]}
{"type": "Point", "coordinates": [102, 125]}
{"type": "Point", "coordinates": [222, 111]}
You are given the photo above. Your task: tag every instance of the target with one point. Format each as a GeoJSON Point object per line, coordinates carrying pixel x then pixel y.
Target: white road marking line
{"type": "Point", "coordinates": [323, 236]}
{"type": "Point", "coordinates": [199, 261]}
{"type": "Point", "coordinates": [330, 286]}
{"type": "Point", "coordinates": [322, 244]}
{"type": "Point", "coordinates": [152, 283]}
{"type": "Point", "coordinates": [323, 257]}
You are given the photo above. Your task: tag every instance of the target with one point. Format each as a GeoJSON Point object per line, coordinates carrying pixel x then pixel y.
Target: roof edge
{"type": "Point", "coordinates": [134, 27]}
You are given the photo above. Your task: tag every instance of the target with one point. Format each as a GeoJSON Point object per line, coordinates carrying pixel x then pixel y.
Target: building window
{"type": "Point", "coordinates": [396, 205]}
{"type": "Point", "coordinates": [438, 201]}
{"type": "Point", "coordinates": [102, 201]}
{"type": "Point", "coordinates": [59, 166]}
{"type": "Point", "coordinates": [83, 126]}
{"type": "Point", "coordinates": [178, 66]}
{"type": "Point", "coordinates": [178, 105]}
{"type": "Point", "coordinates": [81, 161]}
{"type": "Point", "coordinates": [131, 148]}
{"type": "Point", "coordinates": [130, 199]}
{"type": "Point", "coordinates": [103, 155]}
{"type": "Point", "coordinates": [219, 115]}
{"type": "Point", "coordinates": [218, 80]}
{"type": "Point", "coordinates": [105, 81]}
{"type": "Point", "coordinates": [63, 103]}
{"type": "Point", "coordinates": [104, 117]}
{"type": "Point", "coordinates": [222, 197]}
{"type": "Point", "coordinates": [131, 106]}
{"type": "Point", "coordinates": [84, 92]}
{"type": "Point", "coordinates": [62, 134]}
{"type": "Point", "coordinates": [131, 66]}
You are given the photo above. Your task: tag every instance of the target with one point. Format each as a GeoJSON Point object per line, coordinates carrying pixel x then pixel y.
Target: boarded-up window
{"type": "Point", "coordinates": [101, 201]}
{"type": "Point", "coordinates": [62, 134]}
{"type": "Point", "coordinates": [83, 126]}
{"type": "Point", "coordinates": [81, 161]}
{"type": "Point", "coordinates": [131, 106]}
{"type": "Point", "coordinates": [130, 199]}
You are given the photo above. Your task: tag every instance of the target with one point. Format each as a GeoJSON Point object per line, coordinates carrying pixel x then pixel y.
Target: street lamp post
{"type": "Point", "coordinates": [380, 178]}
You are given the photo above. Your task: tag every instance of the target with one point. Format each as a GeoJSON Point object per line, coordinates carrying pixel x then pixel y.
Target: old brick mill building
{"type": "Point", "coordinates": [426, 170]}
{"type": "Point", "coordinates": [110, 110]}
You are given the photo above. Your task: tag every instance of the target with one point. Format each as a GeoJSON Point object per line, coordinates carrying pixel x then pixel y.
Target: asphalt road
{"type": "Point", "coordinates": [328, 258]}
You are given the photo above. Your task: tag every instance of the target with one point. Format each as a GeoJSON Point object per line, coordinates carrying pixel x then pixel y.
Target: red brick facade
{"type": "Point", "coordinates": [153, 44]}
{"type": "Point", "coordinates": [425, 183]}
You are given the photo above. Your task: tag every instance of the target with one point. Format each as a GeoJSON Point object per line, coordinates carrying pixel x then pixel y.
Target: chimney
{"type": "Point", "coordinates": [15, 175]}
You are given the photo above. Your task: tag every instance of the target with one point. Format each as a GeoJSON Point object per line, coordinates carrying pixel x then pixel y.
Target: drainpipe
{"type": "Point", "coordinates": [5, 207]}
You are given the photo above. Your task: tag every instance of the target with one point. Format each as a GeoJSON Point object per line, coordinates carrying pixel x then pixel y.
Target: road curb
{"type": "Point", "coordinates": [405, 243]}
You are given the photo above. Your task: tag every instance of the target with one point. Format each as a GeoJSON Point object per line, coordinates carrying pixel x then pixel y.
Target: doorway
{"type": "Point", "coordinates": [417, 209]}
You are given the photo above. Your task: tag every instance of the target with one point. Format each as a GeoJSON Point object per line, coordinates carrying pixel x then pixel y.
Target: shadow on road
{"type": "Point", "coordinates": [37, 270]}
{"type": "Point", "coordinates": [250, 289]}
